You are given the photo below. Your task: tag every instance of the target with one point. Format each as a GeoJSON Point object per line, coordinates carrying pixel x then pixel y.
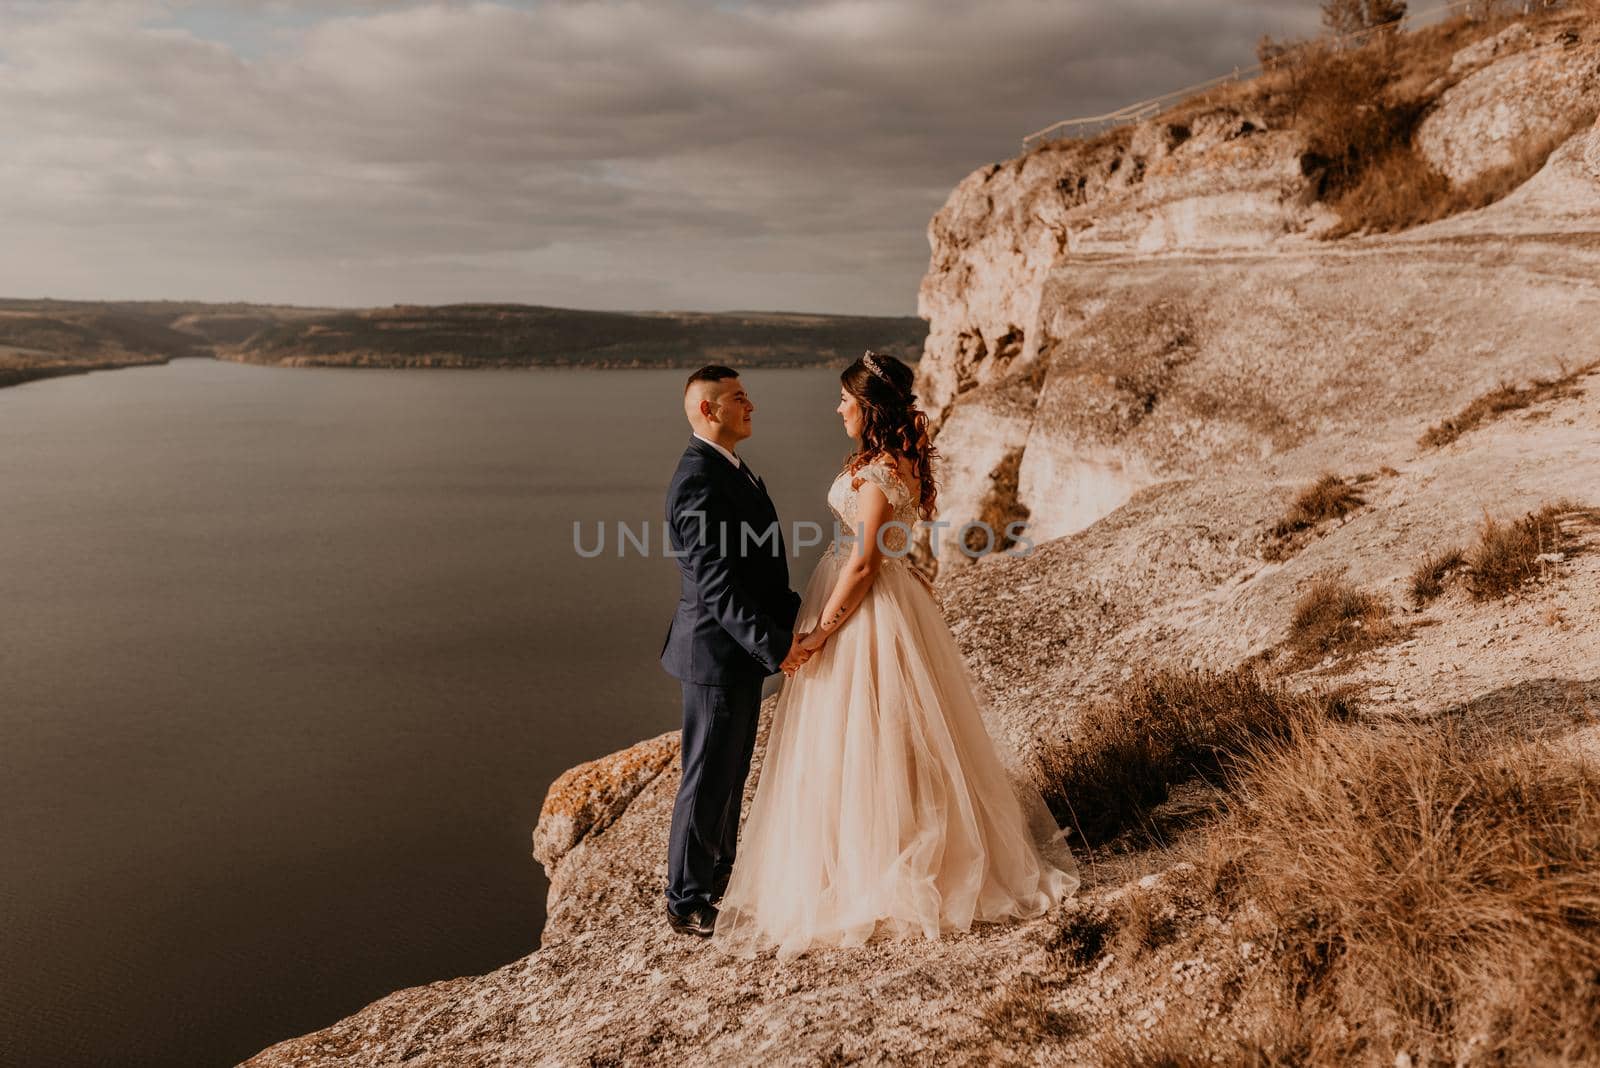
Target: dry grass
{"type": "Point", "coordinates": [1283, 1040]}
{"type": "Point", "coordinates": [1400, 189]}
{"type": "Point", "coordinates": [1359, 110]}
{"type": "Point", "coordinates": [1335, 619]}
{"type": "Point", "coordinates": [1507, 554]}
{"type": "Point", "coordinates": [1083, 938]}
{"type": "Point", "coordinates": [1428, 580]}
{"type": "Point", "coordinates": [1329, 497]}
{"type": "Point", "coordinates": [1161, 729]}
{"type": "Point", "coordinates": [1430, 892]}
{"type": "Point", "coordinates": [1021, 1012]}
{"type": "Point", "coordinates": [1503, 398]}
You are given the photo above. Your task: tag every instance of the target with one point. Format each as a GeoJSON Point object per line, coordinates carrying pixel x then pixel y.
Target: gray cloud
{"type": "Point", "coordinates": [617, 154]}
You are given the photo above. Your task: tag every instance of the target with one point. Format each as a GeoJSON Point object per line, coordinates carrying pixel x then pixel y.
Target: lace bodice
{"type": "Point", "coordinates": [844, 498]}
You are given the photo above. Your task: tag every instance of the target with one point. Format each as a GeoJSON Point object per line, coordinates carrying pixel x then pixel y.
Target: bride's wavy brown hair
{"type": "Point", "coordinates": [891, 423]}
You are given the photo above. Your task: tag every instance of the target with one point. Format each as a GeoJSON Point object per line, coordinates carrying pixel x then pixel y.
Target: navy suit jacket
{"type": "Point", "coordinates": [736, 613]}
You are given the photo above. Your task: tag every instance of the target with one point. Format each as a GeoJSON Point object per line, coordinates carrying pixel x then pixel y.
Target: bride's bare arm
{"type": "Point", "coordinates": [859, 572]}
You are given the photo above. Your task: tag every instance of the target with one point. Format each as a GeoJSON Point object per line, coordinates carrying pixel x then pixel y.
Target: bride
{"type": "Point", "coordinates": [883, 804]}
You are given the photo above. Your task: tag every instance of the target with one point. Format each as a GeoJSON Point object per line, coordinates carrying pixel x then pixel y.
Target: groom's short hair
{"type": "Point", "coordinates": [711, 372]}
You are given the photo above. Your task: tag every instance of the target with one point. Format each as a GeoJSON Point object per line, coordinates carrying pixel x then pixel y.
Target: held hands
{"type": "Point", "coordinates": [798, 653]}
{"type": "Point", "coordinates": [796, 657]}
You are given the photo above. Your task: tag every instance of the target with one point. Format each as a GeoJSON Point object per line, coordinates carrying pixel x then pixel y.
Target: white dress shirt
{"type": "Point", "coordinates": [732, 459]}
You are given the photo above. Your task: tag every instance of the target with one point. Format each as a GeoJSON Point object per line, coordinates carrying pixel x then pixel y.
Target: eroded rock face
{"type": "Point", "coordinates": [1562, 199]}
{"type": "Point", "coordinates": [1484, 121]}
{"type": "Point", "coordinates": [1222, 179]}
{"type": "Point", "coordinates": [1155, 369]}
{"type": "Point", "coordinates": [989, 423]}
{"type": "Point", "coordinates": [1106, 370]}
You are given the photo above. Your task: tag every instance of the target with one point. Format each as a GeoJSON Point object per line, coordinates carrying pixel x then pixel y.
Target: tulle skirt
{"type": "Point", "coordinates": [883, 806]}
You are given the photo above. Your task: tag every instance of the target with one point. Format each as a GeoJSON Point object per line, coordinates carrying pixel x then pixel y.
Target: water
{"type": "Point", "coordinates": [288, 659]}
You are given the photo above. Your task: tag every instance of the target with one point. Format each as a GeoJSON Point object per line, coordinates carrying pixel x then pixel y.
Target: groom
{"type": "Point", "coordinates": [733, 627]}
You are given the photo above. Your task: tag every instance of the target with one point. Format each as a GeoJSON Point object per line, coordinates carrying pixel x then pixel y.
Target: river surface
{"type": "Point", "coordinates": [288, 659]}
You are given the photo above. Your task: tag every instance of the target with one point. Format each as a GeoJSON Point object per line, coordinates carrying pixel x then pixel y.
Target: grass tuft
{"type": "Point", "coordinates": [1083, 938]}
{"type": "Point", "coordinates": [1432, 892]}
{"type": "Point", "coordinates": [1163, 728]}
{"type": "Point", "coordinates": [1021, 1012]}
{"type": "Point", "coordinates": [1507, 554]}
{"type": "Point", "coordinates": [1329, 497]}
{"type": "Point", "coordinates": [1427, 581]}
{"type": "Point", "coordinates": [1503, 398]}
{"type": "Point", "coordinates": [1334, 618]}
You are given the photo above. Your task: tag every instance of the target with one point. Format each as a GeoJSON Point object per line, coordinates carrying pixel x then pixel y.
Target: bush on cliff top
{"type": "Point", "coordinates": [1160, 729]}
{"type": "Point", "coordinates": [1431, 892]}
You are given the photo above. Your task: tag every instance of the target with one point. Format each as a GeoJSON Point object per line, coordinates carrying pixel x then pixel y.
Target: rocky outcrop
{"type": "Point", "coordinates": [1222, 180]}
{"type": "Point", "coordinates": [1120, 368]}
{"type": "Point", "coordinates": [1531, 90]}
{"type": "Point", "coordinates": [587, 799]}
{"type": "Point", "coordinates": [1511, 39]}
{"type": "Point", "coordinates": [1562, 201]}
{"type": "Point", "coordinates": [1189, 367]}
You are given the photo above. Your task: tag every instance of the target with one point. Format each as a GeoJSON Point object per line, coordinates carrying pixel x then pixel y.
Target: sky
{"type": "Point", "coordinates": [609, 154]}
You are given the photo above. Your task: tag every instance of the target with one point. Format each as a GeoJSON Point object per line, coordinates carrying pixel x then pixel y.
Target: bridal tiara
{"type": "Point", "coordinates": [871, 360]}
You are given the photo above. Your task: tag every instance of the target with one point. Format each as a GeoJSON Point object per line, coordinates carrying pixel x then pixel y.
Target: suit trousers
{"type": "Point", "coordinates": [719, 738]}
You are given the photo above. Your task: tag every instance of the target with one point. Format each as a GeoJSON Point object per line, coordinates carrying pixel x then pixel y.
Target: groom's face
{"type": "Point", "coordinates": [733, 408]}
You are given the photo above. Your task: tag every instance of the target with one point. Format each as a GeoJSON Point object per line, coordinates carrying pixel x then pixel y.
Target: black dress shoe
{"type": "Point", "coordinates": [701, 920]}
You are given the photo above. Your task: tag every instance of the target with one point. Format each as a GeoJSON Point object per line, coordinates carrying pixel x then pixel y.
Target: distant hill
{"type": "Point", "coordinates": [39, 338]}
{"type": "Point", "coordinates": [43, 338]}
{"type": "Point", "coordinates": [514, 335]}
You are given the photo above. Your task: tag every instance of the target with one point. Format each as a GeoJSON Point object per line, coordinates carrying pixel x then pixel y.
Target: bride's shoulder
{"type": "Point", "coordinates": [892, 474]}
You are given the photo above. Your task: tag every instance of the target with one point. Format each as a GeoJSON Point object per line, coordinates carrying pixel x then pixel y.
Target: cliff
{"type": "Point", "coordinates": [1092, 304]}
{"type": "Point", "coordinates": [1366, 470]}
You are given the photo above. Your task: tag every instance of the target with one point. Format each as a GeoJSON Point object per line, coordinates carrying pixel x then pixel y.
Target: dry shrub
{"type": "Point", "coordinates": [1400, 189]}
{"type": "Point", "coordinates": [1503, 398]}
{"type": "Point", "coordinates": [1397, 190]}
{"type": "Point", "coordinates": [1146, 923]}
{"type": "Point", "coordinates": [1359, 110]}
{"type": "Point", "coordinates": [1021, 1012]}
{"type": "Point", "coordinates": [1345, 114]}
{"type": "Point", "coordinates": [1329, 497]}
{"type": "Point", "coordinates": [1163, 728]}
{"type": "Point", "coordinates": [1507, 554]}
{"type": "Point", "coordinates": [1427, 581]}
{"type": "Point", "coordinates": [1083, 937]}
{"type": "Point", "coordinates": [1334, 618]}
{"type": "Point", "coordinates": [1430, 891]}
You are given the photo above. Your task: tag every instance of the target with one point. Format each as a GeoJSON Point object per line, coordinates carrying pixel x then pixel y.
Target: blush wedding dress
{"type": "Point", "coordinates": [883, 805]}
